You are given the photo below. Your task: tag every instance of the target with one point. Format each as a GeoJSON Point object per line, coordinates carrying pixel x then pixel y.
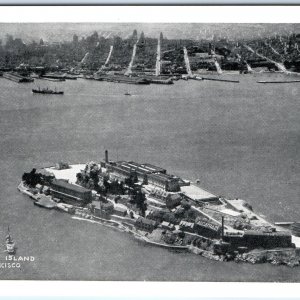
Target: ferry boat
{"type": "Point", "coordinates": [9, 244]}
{"type": "Point", "coordinates": [47, 91]}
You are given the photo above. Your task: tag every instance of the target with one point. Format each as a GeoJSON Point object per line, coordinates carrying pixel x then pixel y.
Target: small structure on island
{"type": "Point", "coordinates": [107, 207]}
{"type": "Point", "coordinates": [186, 226]}
{"type": "Point", "coordinates": [145, 224]}
{"type": "Point", "coordinates": [103, 209]}
{"type": "Point", "coordinates": [62, 166]}
{"type": "Point", "coordinates": [167, 226]}
{"type": "Point", "coordinates": [120, 211]}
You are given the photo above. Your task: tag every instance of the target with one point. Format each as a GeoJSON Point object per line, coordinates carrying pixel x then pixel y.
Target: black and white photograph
{"type": "Point", "coordinates": [149, 151]}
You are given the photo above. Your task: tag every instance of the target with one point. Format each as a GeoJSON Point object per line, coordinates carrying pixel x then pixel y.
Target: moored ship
{"type": "Point", "coordinates": [59, 76]}
{"type": "Point", "coordinates": [160, 80]}
{"type": "Point", "coordinates": [47, 91]}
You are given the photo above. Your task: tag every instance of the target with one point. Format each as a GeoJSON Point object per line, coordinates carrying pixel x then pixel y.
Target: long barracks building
{"type": "Point", "coordinates": [70, 193]}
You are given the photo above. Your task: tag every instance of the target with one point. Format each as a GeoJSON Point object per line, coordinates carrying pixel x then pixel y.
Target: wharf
{"type": "Point", "coordinates": [223, 80]}
{"type": "Point", "coordinates": [45, 202]}
{"type": "Point", "coordinates": [279, 81]}
{"type": "Point", "coordinates": [122, 79]}
{"type": "Point", "coordinates": [17, 77]}
{"type": "Point", "coordinates": [52, 79]}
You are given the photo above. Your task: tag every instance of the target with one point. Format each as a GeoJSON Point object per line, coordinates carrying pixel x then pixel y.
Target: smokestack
{"type": "Point", "coordinates": [222, 227]}
{"type": "Point", "coordinates": [106, 156]}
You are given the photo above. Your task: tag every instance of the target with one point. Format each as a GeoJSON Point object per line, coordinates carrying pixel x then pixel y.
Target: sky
{"type": "Point", "coordinates": [57, 32]}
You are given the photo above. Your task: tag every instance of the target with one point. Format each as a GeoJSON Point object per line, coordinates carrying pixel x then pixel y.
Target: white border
{"type": "Point", "coordinates": [167, 14]}
{"type": "Point", "coordinates": [150, 290]}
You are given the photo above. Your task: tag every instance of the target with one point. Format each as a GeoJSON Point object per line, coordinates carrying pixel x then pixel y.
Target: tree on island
{"type": "Point", "coordinates": [139, 199]}
{"type": "Point", "coordinates": [131, 180]}
{"type": "Point", "coordinates": [32, 178]}
{"type": "Point", "coordinates": [114, 187]}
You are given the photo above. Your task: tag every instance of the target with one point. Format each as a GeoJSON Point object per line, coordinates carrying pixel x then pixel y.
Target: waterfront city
{"type": "Point", "coordinates": [214, 180]}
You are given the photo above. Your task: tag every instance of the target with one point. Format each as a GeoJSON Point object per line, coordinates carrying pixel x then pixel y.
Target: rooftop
{"type": "Point", "coordinates": [146, 221]}
{"type": "Point", "coordinates": [163, 176]}
{"type": "Point", "coordinates": [153, 168]}
{"type": "Point", "coordinates": [196, 193]}
{"type": "Point", "coordinates": [68, 174]}
{"type": "Point", "coordinates": [121, 208]}
{"type": "Point", "coordinates": [144, 168]}
{"type": "Point", "coordinates": [70, 186]}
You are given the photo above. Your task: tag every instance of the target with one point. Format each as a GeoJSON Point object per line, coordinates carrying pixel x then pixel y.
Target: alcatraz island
{"type": "Point", "coordinates": [163, 210]}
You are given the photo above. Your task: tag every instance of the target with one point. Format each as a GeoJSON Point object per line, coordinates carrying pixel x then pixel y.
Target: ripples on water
{"type": "Point", "coordinates": [240, 140]}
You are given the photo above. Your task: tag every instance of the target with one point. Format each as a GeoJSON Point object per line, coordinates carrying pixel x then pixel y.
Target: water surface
{"type": "Point", "coordinates": [240, 140]}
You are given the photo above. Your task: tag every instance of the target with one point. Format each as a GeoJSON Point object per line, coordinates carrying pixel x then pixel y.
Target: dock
{"type": "Point", "coordinates": [284, 223]}
{"type": "Point", "coordinates": [280, 81]}
{"type": "Point", "coordinates": [17, 77]}
{"type": "Point", "coordinates": [217, 79]}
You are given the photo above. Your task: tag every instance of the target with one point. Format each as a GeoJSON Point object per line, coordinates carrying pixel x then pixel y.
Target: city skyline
{"type": "Point", "coordinates": [58, 32]}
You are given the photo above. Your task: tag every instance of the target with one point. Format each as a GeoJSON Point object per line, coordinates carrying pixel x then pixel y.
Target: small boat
{"type": "Point", "coordinates": [9, 244]}
{"type": "Point", "coordinates": [127, 94]}
{"type": "Point", "coordinates": [47, 91]}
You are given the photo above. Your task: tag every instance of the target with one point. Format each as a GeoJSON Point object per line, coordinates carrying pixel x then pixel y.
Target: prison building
{"type": "Point", "coordinates": [119, 173]}
{"type": "Point", "coordinates": [164, 181]}
{"type": "Point", "coordinates": [70, 193]}
{"type": "Point", "coordinates": [146, 168]}
{"type": "Point", "coordinates": [140, 171]}
{"type": "Point", "coordinates": [146, 173]}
